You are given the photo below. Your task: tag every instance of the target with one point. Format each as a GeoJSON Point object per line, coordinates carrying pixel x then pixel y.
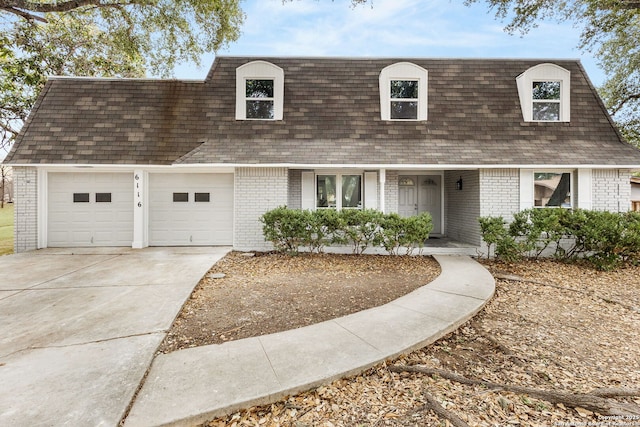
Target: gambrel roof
{"type": "Point", "coordinates": [331, 117]}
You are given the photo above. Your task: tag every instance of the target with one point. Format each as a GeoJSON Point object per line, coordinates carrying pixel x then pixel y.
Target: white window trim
{"type": "Point", "coordinates": [259, 70]}
{"type": "Point", "coordinates": [339, 176]}
{"type": "Point", "coordinates": [403, 71]}
{"type": "Point", "coordinates": [544, 73]}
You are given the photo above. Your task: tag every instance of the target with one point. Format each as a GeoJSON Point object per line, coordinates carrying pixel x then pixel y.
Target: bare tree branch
{"type": "Point", "coordinates": [26, 15]}
{"type": "Point", "coordinates": [29, 9]}
{"type": "Point", "coordinates": [623, 102]}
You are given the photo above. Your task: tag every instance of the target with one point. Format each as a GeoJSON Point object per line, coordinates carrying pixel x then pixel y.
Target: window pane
{"type": "Point", "coordinates": [546, 90]}
{"type": "Point", "coordinates": [259, 88]}
{"type": "Point", "coordinates": [180, 197]}
{"type": "Point", "coordinates": [260, 110]}
{"type": "Point", "coordinates": [351, 191]}
{"type": "Point", "coordinates": [326, 191]}
{"type": "Point", "coordinates": [404, 89]}
{"type": "Point", "coordinates": [552, 189]}
{"type": "Point", "coordinates": [80, 197]}
{"type": "Point", "coordinates": [404, 110]}
{"type": "Point", "coordinates": [103, 197]}
{"type": "Point", "coordinates": [201, 197]}
{"type": "Point", "coordinates": [546, 111]}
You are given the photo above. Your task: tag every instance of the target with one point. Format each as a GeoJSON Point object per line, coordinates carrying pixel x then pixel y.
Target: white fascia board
{"type": "Point", "coordinates": [231, 166]}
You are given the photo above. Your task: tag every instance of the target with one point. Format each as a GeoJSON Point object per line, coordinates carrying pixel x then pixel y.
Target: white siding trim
{"type": "Point", "coordinates": [383, 180]}
{"type": "Point", "coordinates": [403, 71]}
{"type": "Point", "coordinates": [259, 70]}
{"type": "Point", "coordinates": [526, 189]}
{"type": "Point", "coordinates": [371, 190]}
{"type": "Point", "coordinates": [585, 189]}
{"type": "Point", "coordinates": [42, 208]}
{"type": "Point", "coordinates": [140, 209]}
{"type": "Point", "coordinates": [544, 72]}
{"type": "Point", "coordinates": [308, 190]}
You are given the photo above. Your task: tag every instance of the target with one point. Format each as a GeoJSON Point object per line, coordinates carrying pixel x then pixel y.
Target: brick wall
{"type": "Point", "coordinates": [257, 190]}
{"type": "Point", "coordinates": [462, 207]}
{"type": "Point", "coordinates": [295, 189]}
{"type": "Point", "coordinates": [500, 192]}
{"type": "Point", "coordinates": [391, 192]}
{"type": "Point", "coordinates": [611, 190]}
{"type": "Point", "coordinates": [26, 209]}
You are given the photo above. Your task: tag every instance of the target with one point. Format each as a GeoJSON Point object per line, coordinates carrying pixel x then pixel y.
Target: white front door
{"type": "Point", "coordinates": [407, 196]}
{"type": "Point", "coordinates": [421, 193]}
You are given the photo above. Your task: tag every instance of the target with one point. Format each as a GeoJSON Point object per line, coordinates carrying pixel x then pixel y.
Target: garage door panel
{"type": "Point", "coordinates": [191, 223]}
{"type": "Point", "coordinates": [90, 223]}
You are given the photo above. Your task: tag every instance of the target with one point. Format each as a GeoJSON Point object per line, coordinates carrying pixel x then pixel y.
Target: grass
{"type": "Point", "coordinates": [6, 229]}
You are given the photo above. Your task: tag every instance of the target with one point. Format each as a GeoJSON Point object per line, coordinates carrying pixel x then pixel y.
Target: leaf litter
{"type": "Point", "coordinates": [553, 326]}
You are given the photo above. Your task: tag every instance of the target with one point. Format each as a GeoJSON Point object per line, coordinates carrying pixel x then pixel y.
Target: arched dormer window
{"type": "Point", "coordinates": [403, 92]}
{"type": "Point", "coordinates": [544, 92]}
{"type": "Point", "coordinates": [259, 91]}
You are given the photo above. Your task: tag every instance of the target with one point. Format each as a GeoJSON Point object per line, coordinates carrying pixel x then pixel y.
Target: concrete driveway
{"type": "Point", "coordinates": [79, 328]}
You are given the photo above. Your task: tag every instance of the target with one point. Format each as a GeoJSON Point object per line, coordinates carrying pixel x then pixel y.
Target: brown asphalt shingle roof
{"type": "Point", "coordinates": [331, 116]}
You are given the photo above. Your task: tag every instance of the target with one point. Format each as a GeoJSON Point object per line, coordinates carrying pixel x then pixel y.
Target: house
{"type": "Point", "coordinates": [139, 162]}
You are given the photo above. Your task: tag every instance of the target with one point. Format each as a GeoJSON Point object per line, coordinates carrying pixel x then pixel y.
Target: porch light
{"type": "Point", "coordinates": [459, 184]}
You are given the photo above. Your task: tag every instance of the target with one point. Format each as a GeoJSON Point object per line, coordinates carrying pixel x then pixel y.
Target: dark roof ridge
{"type": "Point", "coordinates": [379, 58]}
{"type": "Point", "coordinates": [135, 79]}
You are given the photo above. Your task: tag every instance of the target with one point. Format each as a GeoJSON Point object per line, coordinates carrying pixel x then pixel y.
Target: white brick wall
{"type": "Point", "coordinates": [500, 192]}
{"type": "Point", "coordinates": [462, 206]}
{"type": "Point", "coordinates": [26, 209]}
{"type": "Point", "coordinates": [257, 190]}
{"type": "Point", "coordinates": [611, 190]}
{"type": "Point", "coordinates": [391, 192]}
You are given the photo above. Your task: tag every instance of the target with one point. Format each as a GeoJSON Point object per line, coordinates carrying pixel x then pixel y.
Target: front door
{"type": "Point", "coordinates": [421, 193]}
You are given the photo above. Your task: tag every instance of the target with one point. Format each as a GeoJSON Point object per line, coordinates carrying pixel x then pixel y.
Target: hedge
{"type": "Point", "coordinates": [289, 230]}
{"type": "Point", "coordinates": [605, 239]}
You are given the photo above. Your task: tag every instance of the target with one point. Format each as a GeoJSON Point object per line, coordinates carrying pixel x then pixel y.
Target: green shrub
{"type": "Point", "coordinates": [397, 231]}
{"type": "Point", "coordinates": [604, 239]}
{"type": "Point", "coordinates": [360, 227]}
{"type": "Point", "coordinates": [290, 229]}
{"type": "Point", "coordinates": [492, 229]}
{"type": "Point", "coordinates": [538, 229]}
{"type": "Point", "coordinates": [286, 229]}
{"type": "Point", "coordinates": [416, 231]}
{"type": "Point", "coordinates": [324, 228]}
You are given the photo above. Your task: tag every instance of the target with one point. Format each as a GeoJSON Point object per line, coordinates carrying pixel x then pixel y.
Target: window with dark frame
{"type": "Point", "coordinates": [80, 197]}
{"type": "Point", "coordinates": [202, 197]}
{"type": "Point", "coordinates": [180, 197]}
{"type": "Point", "coordinates": [103, 197]}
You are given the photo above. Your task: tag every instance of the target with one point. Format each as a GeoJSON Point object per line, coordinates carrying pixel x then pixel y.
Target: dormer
{"type": "Point", "coordinates": [259, 91]}
{"type": "Point", "coordinates": [544, 92]}
{"type": "Point", "coordinates": [403, 92]}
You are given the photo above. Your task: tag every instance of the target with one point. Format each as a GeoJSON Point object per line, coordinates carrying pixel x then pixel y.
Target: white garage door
{"type": "Point", "coordinates": [90, 209]}
{"type": "Point", "coordinates": [190, 209]}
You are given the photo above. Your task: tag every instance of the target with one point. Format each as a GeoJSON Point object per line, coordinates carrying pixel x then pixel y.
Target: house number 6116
{"type": "Point", "coordinates": [137, 178]}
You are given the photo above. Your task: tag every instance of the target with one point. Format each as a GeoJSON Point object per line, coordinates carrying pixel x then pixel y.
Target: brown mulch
{"type": "Point", "coordinates": [271, 292]}
{"type": "Point", "coordinates": [551, 326]}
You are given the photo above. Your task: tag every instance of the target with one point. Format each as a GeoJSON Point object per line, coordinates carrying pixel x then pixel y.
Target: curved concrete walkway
{"type": "Point", "coordinates": [191, 386]}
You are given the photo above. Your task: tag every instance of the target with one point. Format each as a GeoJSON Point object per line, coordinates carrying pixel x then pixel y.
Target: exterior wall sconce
{"type": "Point", "coordinates": [459, 184]}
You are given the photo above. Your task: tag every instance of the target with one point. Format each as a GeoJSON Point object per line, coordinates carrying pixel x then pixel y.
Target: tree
{"type": "Point", "coordinates": [106, 38]}
{"type": "Point", "coordinates": [5, 173]}
{"type": "Point", "coordinates": [610, 29]}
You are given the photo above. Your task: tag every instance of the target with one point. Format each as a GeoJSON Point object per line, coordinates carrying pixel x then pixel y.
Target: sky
{"type": "Point", "coordinates": [391, 28]}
